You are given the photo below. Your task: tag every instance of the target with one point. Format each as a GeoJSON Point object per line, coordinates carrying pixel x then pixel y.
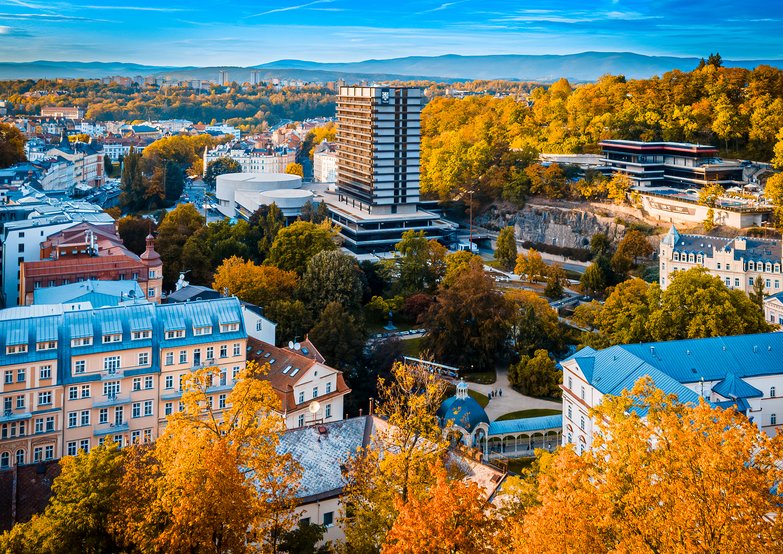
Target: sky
{"type": "Point", "coordinates": [247, 32]}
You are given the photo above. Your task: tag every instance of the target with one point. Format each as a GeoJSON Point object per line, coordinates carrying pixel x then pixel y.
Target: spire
{"type": "Point", "coordinates": [672, 237]}
{"type": "Point", "coordinates": [462, 390]}
{"type": "Point", "coordinates": [150, 256]}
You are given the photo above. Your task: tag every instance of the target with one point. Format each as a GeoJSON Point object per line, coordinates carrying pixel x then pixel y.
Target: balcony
{"type": "Point", "coordinates": [11, 415]}
{"type": "Point", "coordinates": [110, 429]}
{"type": "Point", "coordinates": [111, 400]}
{"type": "Point", "coordinates": [122, 372]}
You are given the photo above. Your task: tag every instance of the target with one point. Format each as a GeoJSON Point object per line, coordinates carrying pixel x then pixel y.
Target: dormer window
{"type": "Point", "coordinates": [112, 338]}
{"type": "Point", "coordinates": [175, 334]}
{"type": "Point", "coordinates": [46, 345]}
{"type": "Point", "coordinates": [139, 335]}
{"type": "Point", "coordinates": [768, 267]}
{"type": "Point", "coordinates": [676, 256]}
{"type": "Point", "coordinates": [201, 331]}
{"type": "Point", "coordinates": [229, 327]}
{"type": "Point", "coordinates": [16, 349]}
{"type": "Point", "coordinates": [751, 266]}
{"type": "Point", "coordinates": [82, 341]}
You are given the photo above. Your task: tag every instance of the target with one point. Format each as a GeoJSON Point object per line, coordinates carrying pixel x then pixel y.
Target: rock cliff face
{"type": "Point", "coordinates": [565, 227]}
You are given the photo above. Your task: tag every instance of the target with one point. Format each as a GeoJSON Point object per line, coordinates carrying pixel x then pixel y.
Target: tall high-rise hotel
{"type": "Point", "coordinates": [378, 147]}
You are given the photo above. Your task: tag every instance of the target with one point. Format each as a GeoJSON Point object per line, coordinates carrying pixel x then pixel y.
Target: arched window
{"type": "Point", "coordinates": [5, 458]}
{"type": "Point", "coordinates": [19, 457]}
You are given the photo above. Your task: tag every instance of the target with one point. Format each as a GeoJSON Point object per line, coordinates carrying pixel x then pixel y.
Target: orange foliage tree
{"type": "Point", "coordinates": [257, 284]}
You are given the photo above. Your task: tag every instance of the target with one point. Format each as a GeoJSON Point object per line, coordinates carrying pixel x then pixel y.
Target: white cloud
{"type": "Point", "coordinates": [291, 8]}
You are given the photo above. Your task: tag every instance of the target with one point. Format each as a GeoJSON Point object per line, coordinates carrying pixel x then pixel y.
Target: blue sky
{"type": "Point", "coordinates": [245, 32]}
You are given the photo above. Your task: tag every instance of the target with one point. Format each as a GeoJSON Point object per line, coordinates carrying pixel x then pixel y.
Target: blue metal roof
{"type": "Point", "coordinates": [463, 412]}
{"type": "Point", "coordinates": [98, 293]}
{"type": "Point", "coordinates": [526, 425]}
{"type": "Point", "coordinates": [733, 387]}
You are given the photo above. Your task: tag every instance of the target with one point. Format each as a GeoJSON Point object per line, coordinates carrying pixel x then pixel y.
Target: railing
{"type": "Point", "coordinates": [111, 400]}
{"type": "Point", "coordinates": [110, 428]}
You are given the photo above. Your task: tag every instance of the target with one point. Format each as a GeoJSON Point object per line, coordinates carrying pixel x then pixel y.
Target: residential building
{"type": "Point", "coordinates": [87, 161]}
{"type": "Point", "coordinates": [773, 310]}
{"type": "Point", "coordinates": [325, 163]}
{"type": "Point", "coordinates": [322, 451]}
{"type": "Point", "coordinates": [258, 327]}
{"type": "Point", "coordinates": [85, 252]}
{"type": "Point", "coordinates": [310, 391]}
{"type": "Point", "coordinates": [67, 112]}
{"type": "Point", "coordinates": [737, 261]}
{"type": "Point", "coordinates": [21, 239]}
{"type": "Point", "coordinates": [743, 372]}
{"type": "Point", "coordinates": [378, 143]}
{"type": "Point", "coordinates": [223, 77]}
{"type": "Point", "coordinates": [254, 157]}
{"type": "Point", "coordinates": [674, 164]}
{"type": "Point", "coordinates": [73, 377]}
{"type": "Point", "coordinates": [97, 293]}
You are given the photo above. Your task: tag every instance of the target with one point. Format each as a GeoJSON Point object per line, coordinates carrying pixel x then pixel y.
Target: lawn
{"type": "Point", "coordinates": [521, 414]}
{"type": "Point", "coordinates": [481, 377]}
{"type": "Point", "coordinates": [482, 399]}
{"type": "Point", "coordinates": [411, 347]}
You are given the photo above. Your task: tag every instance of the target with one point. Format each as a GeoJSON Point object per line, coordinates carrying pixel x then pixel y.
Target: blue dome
{"type": "Point", "coordinates": [463, 411]}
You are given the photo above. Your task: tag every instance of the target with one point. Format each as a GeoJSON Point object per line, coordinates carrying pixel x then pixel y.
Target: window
{"type": "Point", "coordinates": [768, 283]}
{"type": "Point", "coordinates": [315, 392]}
{"type": "Point", "coordinates": [328, 411]}
{"type": "Point", "coordinates": [301, 397]}
{"type": "Point", "coordinates": [148, 382]}
{"type": "Point", "coordinates": [72, 449]}
{"type": "Point", "coordinates": [200, 331]}
{"type": "Point", "coordinates": [136, 410]}
{"type": "Point", "coordinates": [111, 364]}
{"type": "Point", "coordinates": [135, 436]}
{"type": "Point", "coordinates": [49, 424]}
{"type": "Point", "coordinates": [569, 411]}
{"type": "Point", "coordinates": [328, 387]}
{"type": "Point", "coordinates": [300, 421]}
{"type": "Point", "coordinates": [20, 402]}
{"type": "Point", "coordinates": [168, 408]}
{"type": "Point", "coordinates": [570, 383]}
{"type": "Point", "coordinates": [18, 349]}
{"type": "Point", "coordinates": [9, 377]}
{"type": "Point", "coordinates": [222, 401]}
{"type": "Point", "coordinates": [151, 292]}
{"type": "Point", "coordinates": [85, 417]}
{"type": "Point", "coordinates": [169, 381]}
{"type": "Point", "coordinates": [237, 349]}
{"type": "Point", "coordinates": [147, 435]}
{"type": "Point", "coordinates": [19, 457]}
{"type": "Point", "coordinates": [169, 358]}
{"type": "Point", "coordinates": [183, 356]}
{"type": "Point", "coordinates": [85, 391]}
{"type": "Point", "coordinates": [73, 393]}
{"type": "Point", "coordinates": [84, 341]}
{"type": "Point", "coordinates": [39, 425]}
{"type": "Point", "coordinates": [79, 366]}
{"type": "Point", "coordinates": [178, 334]}
{"type": "Point", "coordinates": [119, 417]}
{"type": "Point", "coordinates": [582, 422]}
{"type": "Point", "coordinates": [751, 266]}
{"type": "Point", "coordinates": [229, 327]}
{"type": "Point", "coordinates": [235, 373]}
{"type": "Point", "coordinates": [37, 453]}
{"type": "Point", "coordinates": [259, 324]}
{"type": "Point", "coordinates": [44, 398]}
{"type": "Point", "coordinates": [328, 519]}
{"type": "Point", "coordinates": [84, 444]}
{"type": "Point", "coordinates": [73, 418]}
{"type": "Point", "coordinates": [152, 274]}
{"type": "Point", "coordinates": [7, 403]}
{"type": "Point", "coordinates": [147, 408]}
{"type": "Point", "coordinates": [112, 338]}
{"type": "Point", "coordinates": [138, 335]}
{"type": "Point", "coordinates": [45, 372]}
{"type": "Point", "coordinates": [583, 393]}
{"type": "Point", "coordinates": [223, 351]}
{"type": "Point", "coordinates": [773, 419]}
{"type": "Point", "coordinates": [50, 345]}
{"type": "Point", "coordinates": [136, 383]}
{"type": "Point", "coordinates": [111, 389]}
{"type": "Point", "coordinates": [20, 375]}
{"type": "Point", "coordinates": [736, 282]}
{"type": "Point", "coordinates": [144, 358]}
{"type": "Point", "coordinates": [772, 392]}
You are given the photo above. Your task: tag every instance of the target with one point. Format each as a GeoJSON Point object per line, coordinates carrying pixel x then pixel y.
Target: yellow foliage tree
{"type": "Point", "coordinates": [531, 265]}
{"type": "Point", "coordinates": [617, 188]}
{"type": "Point", "coordinates": [294, 169]}
{"type": "Point", "coordinates": [256, 284]}
{"type": "Point", "coordinates": [661, 477]}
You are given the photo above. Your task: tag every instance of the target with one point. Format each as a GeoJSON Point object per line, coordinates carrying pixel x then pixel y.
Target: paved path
{"type": "Point", "coordinates": [511, 401]}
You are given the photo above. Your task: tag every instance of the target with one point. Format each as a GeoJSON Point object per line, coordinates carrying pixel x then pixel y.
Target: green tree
{"type": "Point", "coordinates": [173, 232]}
{"type": "Point", "coordinates": [757, 294]}
{"type": "Point", "coordinates": [133, 231]}
{"type": "Point", "coordinates": [419, 264]}
{"type": "Point", "coordinates": [264, 223]}
{"type": "Point", "coordinates": [623, 317]}
{"type": "Point", "coordinates": [332, 276]}
{"type": "Point", "coordinates": [77, 516]}
{"type": "Point", "coordinates": [596, 278]}
{"type": "Point", "coordinates": [555, 277]}
{"type": "Point", "coordinates": [468, 323]}
{"type": "Point", "coordinates": [303, 539]}
{"type": "Point", "coordinates": [295, 245]}
{"type": "Point", "coordinates": [534, 324]}
{"type": "Point", "coordinates": [600, 245]}
{"type": "Point", "coordinates": [221, 166]}
{"type": "Point", "coordinates": [292, 317]}
{"type": "Point", "coordinates": [506, 250]}
{"type": "Point", "coordinates": [132, 184]}
{"type": "Point", "coordinates": [313, 213]}
{"type": "Point", "coordinates": [338, 336]}
{"type": "Point", "coordinates": [536, 376]}
{"type": "Point", "coordinates": [11, 145]}
{"type": "Point", "coordinates": [108, 167]}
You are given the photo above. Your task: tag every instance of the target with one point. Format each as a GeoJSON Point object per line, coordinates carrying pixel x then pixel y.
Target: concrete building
{"type": "Point", "coordinates": [254, 157]}
{"type": "Point", "coordinates": [378, 144]}
{"type": "Point", "coordinates": [66, 112]}
{"type": "Point", "coordinates": [21, 239]}
{"type": "Point", "coordinates": [325, 163]}
{"type": "Point", "coordinates": [670, 205]}
{"type": "Point", "coordinates": [223, 77]}
{"type": "Point", "coordinates": [737, 261]}
{"type": "Point", "coordinates": [87, 162]}
{"type": "Point", "coordinates": [72, 377]}
{"type": "Point", "coordinates": [743, 372]}
{"type": "Point", "coordinates": [674, 164]}
{"type": "Point", "coordinates": [87, 252]}
{"type": "Point", "coordinates": [240, 194]}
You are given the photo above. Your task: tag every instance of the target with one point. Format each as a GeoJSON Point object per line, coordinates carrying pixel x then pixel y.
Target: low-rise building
{"type": "Point", "coordinates": [325, 163]}
{"type": "Point", "coordinates": [773, 310]}
{"type": "Point", "coordinates": [737, 261]}
{"type": "Point", "coordinates": [743, 372]}
{"type": "Point", "coordinates": [71, 377]}
{"type": "Point", "coordinates": [67, 112]}
{"type": "Point", "coordinates": [254, 157]}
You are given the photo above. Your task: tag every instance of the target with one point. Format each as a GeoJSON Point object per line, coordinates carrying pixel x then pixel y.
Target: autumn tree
{"type": "Point", "coordinates": [133, 231]}
{"type": "Point", "coordinates": [617, 188]}
{"type": "Point", "coordinates": [536, 375]}
{"type": "Point", "coordinates": [214, 481]}
{"type": "Point", "coordinates": [339, 336]}
{"type": "Point", "coordinates": [396, 466]}
{"type": "Point", "coordinates": [451, 517]}
{"type": "Point", "coordinates": [506, 249]}
{"type": "Point", "coordinates": [221, 166]}
{"type": "Point", "coordinates": [77, 516]}
{"type": "Point", "coordinates": [549, 181]}
{"type": "Point", "coordinates": [531, 266]}
{"type": "Point", "coordinates": [11, 145]}
{"type": "Point", "coordinates": [468, 323]}
{"type": "Point", "coordinates": [661, 477]}
{"type": "Point", "coordinates": [634, 245]}
{"type": "Point", "coordinates": [256, 284]}
{"type": "Point", "coordinates": [534, 324]}
{"type": "Point", "coordinates": [418, 265]}
{"type": "Point", "coordinates": [457, 263]}
{"type": "Point", "coordinates": [757, 294]}
{"type": "Point", "coordinates": [332, 276]}
{"type": "Point", "coordinates": [174, 230]}
{"type": "Point", "coordinates": [773, 191]}
{"type": "Point", "coordinates": [555, 280]}
{"type": "Point", "coordinates": [295, 245]}
{"type": "Point", "coordinates": [295, 169]}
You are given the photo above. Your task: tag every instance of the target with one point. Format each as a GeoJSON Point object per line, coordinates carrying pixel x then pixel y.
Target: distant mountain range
{"type": "Point", "coordinates": [586, 66]}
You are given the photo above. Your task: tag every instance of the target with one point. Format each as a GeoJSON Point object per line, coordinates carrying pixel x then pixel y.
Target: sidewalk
{"type": "Point", "coordinates": [511, 401]}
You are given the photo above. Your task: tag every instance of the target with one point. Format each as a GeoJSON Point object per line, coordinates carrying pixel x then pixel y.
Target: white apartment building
{"type": "Point", "coordinates": [737, 261]}
{"type": "Point", "coordinates": [773, 310]}
{"type": "Point", "coordinates": [253, 157]}
{"type": "Point", "coordinates": [325, 163]}
{"type": "Point", "coordinates": [743, 372]}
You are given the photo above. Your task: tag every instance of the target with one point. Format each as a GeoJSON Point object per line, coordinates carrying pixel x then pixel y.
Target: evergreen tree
{"type": "Point", "coordinates": [506, 250]}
